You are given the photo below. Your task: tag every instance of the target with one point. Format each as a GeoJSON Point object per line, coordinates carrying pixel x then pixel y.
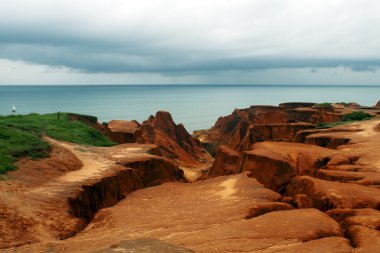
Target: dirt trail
{"type": "Point", "coordinates": [368, 128]}
{"type": "Point", "coordinates": [93, 164]}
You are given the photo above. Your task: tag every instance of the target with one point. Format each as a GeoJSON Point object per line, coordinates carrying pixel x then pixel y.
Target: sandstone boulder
{"type": "Point", "coordinates": [226, 162]}
{"type": "Point", "coordinates": [122, 131]}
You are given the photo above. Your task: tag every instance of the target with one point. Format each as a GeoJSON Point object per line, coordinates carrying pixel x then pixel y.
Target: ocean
{"type": "Point", "coordinates": [196, 106]}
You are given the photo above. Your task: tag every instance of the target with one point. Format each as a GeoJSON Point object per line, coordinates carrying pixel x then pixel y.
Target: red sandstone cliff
{"type": "Point", "coordinates": [173, 140]}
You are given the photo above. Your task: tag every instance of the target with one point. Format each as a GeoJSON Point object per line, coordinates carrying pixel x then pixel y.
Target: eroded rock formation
{"type": "Point", "coordinates": [173, 140]}
{"type": "Point", "coordinates": [227, 162]}
{"type": "Point", "coordinates": [276, 164]}
{"type": "Point", "coordinates": [122, 131]}
{"type": "Point", "coordinates": [244, 127]}
{"type": "Point", "coordinates": [277, 185]}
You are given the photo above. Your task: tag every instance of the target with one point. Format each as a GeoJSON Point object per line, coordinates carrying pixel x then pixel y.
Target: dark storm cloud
{"type": "Point", "coordinates": [173, 37]}
{"type": "Point", "coordinates": [107, 57]}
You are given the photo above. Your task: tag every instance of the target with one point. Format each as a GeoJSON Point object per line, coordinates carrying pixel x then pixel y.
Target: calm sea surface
{"type": "Point", "coordinates": [197, 107]}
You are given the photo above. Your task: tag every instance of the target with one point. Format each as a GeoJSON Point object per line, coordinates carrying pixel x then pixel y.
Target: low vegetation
{"type": "Point", "coordinates": [346, 119]}
{"type": "Point", "coordinates": [20, 136]}
{"type": "Point", "coordinates": [355, 116]}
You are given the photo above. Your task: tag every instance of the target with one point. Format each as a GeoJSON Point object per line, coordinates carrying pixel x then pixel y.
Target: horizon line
{"type": "Point", "coordinates": [238, 85]}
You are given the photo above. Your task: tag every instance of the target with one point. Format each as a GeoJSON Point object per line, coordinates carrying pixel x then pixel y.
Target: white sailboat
{"type": "Point", "coordinates": [13, 108]}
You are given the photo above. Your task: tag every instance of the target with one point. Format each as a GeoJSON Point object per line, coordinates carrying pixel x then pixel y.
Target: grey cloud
{"type": "Point", "coordinates": [96, 38]}
{"type": "Point", "coordinates": [95, 58]}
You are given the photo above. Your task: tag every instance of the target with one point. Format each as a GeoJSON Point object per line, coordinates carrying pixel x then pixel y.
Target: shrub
{"type": "Point", "coordinates": [354, 116]}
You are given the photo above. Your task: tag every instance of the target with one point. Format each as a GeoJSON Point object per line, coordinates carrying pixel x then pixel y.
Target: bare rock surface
{"type": "Point", "coordinates": [326, 195]}
{"type": "Point", "coordinates": [143, 246]}
{"type": "Point", "coordinates": [364, 239]}
{"type": "Point", "coordinates": [208, 216]}
{"type": "Point", "coordinates": [275, 164]}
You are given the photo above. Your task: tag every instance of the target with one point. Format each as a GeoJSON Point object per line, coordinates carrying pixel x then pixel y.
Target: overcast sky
{"type": "Point", "coordinates": [190, 42]}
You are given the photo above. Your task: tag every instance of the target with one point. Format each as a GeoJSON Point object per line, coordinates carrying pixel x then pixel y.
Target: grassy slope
{"type": "Point", "coordinates": [20, 136]}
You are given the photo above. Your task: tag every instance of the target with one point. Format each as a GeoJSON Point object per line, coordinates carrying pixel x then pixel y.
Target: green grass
{"type": "Point", "coordinates": [346, 119]}
{"type": "Point", "coordinates": [20, 136]}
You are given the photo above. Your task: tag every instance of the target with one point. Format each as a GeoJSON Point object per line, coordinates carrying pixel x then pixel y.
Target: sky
{"type": "Point", "coordinates": [190, 42]}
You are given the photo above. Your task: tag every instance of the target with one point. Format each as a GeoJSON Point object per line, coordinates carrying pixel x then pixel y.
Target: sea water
{"type": "Point", "coordinates": [196, 106]}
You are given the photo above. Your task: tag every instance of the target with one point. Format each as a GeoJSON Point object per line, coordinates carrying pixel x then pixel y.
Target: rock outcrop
{"type": "Point", "coordinates": [173, 140]}
{"type": "Point", "coordinates": [313, 115]}
{"type": "Point", "coordinates": [244, 127]}
{"type": "Point", "coordinates": [227, 162]}
{"type": "Point", "coordinates": [276, 164]}
{"type": "Point", "coordinates": [270, 132]}
{"type": "Point", "coordinates": [122, 131]}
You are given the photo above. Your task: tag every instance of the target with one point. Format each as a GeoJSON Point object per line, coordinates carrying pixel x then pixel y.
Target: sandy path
{"type": "Point", "coordinates": [93, 164]}
{"type": "Point", "coordinates": [368, 128]}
